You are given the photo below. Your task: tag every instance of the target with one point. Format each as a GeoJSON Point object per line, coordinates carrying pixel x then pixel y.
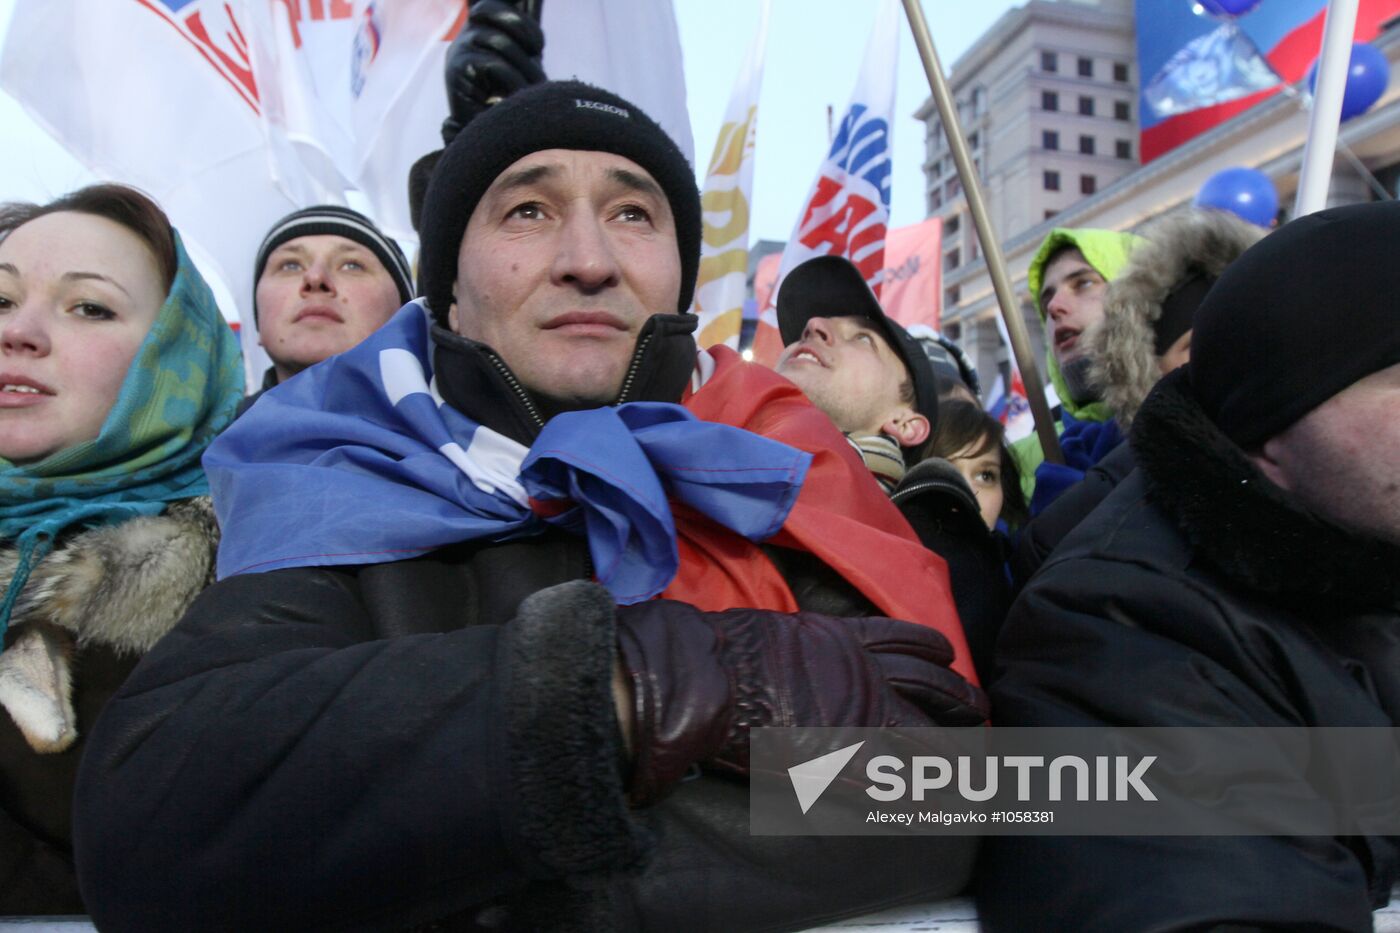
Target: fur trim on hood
{"type": "Point", "coordinates": [123, 586]}
{"type": "Point", "coordinates": [1105, 250]}
{"type": "Point", "coordinates": [1243, 524]}
{"type": "Point", "coordinates": [1195, 241]}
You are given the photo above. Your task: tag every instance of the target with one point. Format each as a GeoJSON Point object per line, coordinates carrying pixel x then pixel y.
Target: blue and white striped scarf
{"type": "Point", "coordinates": [359, 460]}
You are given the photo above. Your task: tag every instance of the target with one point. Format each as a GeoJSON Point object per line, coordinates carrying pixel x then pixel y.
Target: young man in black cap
{"type": "Point", "coordinates": [406, 702]}
{"type": "Point", "coordinates": [1246, 574]}
{"type": "Point", "coordinates": [877, 384]}
{"type": "Point", "coordinates": [861, 368]}
{"type": "Point", "coordinates": [326, 278]}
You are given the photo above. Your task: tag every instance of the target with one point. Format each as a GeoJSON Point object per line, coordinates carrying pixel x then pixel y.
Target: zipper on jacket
{"type": "Point", "coordinates": [631, 377]}
{"type": "Point", "coordinates": [516, 387]}
{"type": "Point", "coordinates": [920, 487]}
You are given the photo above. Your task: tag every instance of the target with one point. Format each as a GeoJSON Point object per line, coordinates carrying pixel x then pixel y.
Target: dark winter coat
{"type": "Point", "coordinates": [943, 511]}
{"type": "Point", "coordinates": [1198, 594]}
{"type": "Point", "coordinates": [86, 613]}
{"type": "Point", "coordinates": [375, 748]}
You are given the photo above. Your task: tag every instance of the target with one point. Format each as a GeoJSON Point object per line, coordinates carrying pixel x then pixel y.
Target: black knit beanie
{"type": "Point", "coordinates": [552, 115]}
{"type": "Point", "coordinates": [1301, 315]}
{"type": "Point", "coordinates": [333, 220]}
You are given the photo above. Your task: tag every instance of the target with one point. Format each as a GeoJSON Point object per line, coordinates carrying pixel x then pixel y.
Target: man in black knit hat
{"type": "Point", "coordinates": [1246, 574]}
{"type": "Point", "coordinates": [408, 703]}
{"type": "Point", "coordinates": [325, 278]}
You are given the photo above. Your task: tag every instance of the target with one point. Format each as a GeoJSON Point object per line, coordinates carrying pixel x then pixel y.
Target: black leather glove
{"type": "Point", "coordinates": [702, 680]}
{"type": "Point", "coordinates": [497, 53]}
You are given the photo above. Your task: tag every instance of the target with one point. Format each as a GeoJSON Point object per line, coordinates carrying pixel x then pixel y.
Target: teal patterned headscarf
{"type": "Point", "coordinates": [180, 392]}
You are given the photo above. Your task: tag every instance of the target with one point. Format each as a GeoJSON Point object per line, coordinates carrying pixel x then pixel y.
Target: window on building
{"type": "Point", "coordinates": [953, 330]}
{"type": "Point", "coordinates": [1052, 181]}
{"type": "Point", "coordinates": [1049, 214]}
{"type": "Point", "coordinates": [1049, 139]}
{"type": "Point", "coordinates": [1120, 72]}
{"type": "Point", "coordinates": [1122, 110]}
{"type": "Point", "coordinates": [935, 169]}
{"type": "Point", "coordinates": [1049, 62]}
{"type": "Point", "coordinates": [1049, 100]}
{"type": "Point", "coordinates": [974, 140]}
{"type": "Point", "coordinates": [1086, 145]}
{"type": "Point", "coordinates": [950, 226]}
{"type": "Point", "coordinates": [951, 296]}
{"type": "Point", "coordinates": [1086, 67]}
{"type": "Point", "coordinates": [935, 199]}
{"type": "Point", "coordinates": [979, 101]}
{"type": "Point", "coordinates": [952, 259]}
{"type": "Point", "coordinates": [953, 188]}
{"type": "Point", "coordinates": [1088, 184]}
{"type": "Point", "coordinates": [1086, 106]}
{"type": "Point", "coordinates": [1123, 149]}
{"type": "Point", "coordinates": [974, 250]}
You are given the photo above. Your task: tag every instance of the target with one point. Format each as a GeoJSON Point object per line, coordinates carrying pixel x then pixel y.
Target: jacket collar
{"type": "Point", "coordinates": [473, 378]}
{"type": "Point", "coordinates": [1242, 523]}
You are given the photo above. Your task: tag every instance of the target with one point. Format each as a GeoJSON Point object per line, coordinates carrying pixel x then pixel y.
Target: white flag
{"type": "Point", "coordinates": [159, 94]}
{"type": "Point", "coordinates": [848, 209]}
{"type": "Point", "coordinates": [724, 251]}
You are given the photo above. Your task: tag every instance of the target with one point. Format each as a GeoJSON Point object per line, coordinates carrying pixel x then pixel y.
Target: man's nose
{"type": "Point", "coordinates": [585, 257]}
{"type": "Point", "coordinates": [317, 278]}
{"type": "Point", "coordinates": [819, 329]}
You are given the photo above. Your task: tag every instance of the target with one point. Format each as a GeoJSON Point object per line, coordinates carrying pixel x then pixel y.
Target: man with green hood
{"type": "Point", "coordinates": [1067, 279]}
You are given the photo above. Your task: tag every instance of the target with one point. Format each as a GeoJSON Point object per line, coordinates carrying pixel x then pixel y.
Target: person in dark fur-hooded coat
{"type": "Point", "coordinates": [1145, 333]}
{"type": "Point", "coordinates": [1148, 308]}
{"type": "Point", "coordinates": [1245, 575]}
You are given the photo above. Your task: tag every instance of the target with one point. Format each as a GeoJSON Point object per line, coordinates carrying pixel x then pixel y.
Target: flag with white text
{"type": "Point", "coordinates": [848, 208]}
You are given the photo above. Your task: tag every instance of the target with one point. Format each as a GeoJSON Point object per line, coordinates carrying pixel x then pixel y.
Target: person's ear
{"type": "Point", "coordinates": [908, 427]}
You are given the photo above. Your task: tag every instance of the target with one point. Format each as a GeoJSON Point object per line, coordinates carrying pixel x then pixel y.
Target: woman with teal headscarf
{"type": "Point", "coordinates": [116, 371]}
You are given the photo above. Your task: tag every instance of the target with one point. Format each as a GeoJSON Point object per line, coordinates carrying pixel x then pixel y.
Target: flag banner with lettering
{"type": "Point", "coordinates": [848, 208]}
{"type": "Point", "coordinates": [911, 293]}
{"type": "Point", "coordinates": [1198, 71]}
{"type": "Point", "coordinates": [160, 94]}
{"type": "Point", "coordinates": [724, 250]}
{"type": "Point", "coordinates": [232, 113]}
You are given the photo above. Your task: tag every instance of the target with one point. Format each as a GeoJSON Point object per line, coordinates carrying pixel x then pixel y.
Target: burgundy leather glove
{"type": "Point", "coordinates": [497, 53]}
{"type": "Point", "coordinates": [701, 680]}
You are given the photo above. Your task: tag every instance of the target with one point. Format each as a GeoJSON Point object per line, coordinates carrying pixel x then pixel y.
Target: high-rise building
{"type": "Point", "coordinates": [1047, 99]}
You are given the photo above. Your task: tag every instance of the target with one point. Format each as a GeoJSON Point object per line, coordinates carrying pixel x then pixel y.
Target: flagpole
{"type": "Point", "coordinates": [1333, 63]}
{"type": "Point", "coordinates": [991, 248]}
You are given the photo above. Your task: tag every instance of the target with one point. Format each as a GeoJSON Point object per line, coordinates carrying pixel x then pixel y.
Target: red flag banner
{"type": "Point", "coordinates": [913, 277]}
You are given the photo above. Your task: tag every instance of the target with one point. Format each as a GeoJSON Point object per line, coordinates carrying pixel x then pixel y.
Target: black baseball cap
{"type": "Point", "coordinates": [831, 286]}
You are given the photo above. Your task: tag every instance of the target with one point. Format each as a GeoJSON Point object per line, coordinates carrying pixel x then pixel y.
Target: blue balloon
{"type": "Point", "coordinates": [1225, 9]}
{"type": "Point", "coordinates": [1244, 192]}
{"type": "Point", "coordinates": [1368, 75]}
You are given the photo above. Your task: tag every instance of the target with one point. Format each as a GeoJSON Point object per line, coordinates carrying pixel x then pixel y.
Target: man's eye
{"type": "Point", "coordinates": [5, 303]}
{"type": "Point", "coordinates": [354, 265]}
{"type": "Point", "coordinates": [528, 211]}
{"type": "Point", "coordinates": [633, 214]}
{"type": "Point", "coordinates": [92, 311]}
{"type": "Point", "coordinates": [289, 265]}
{"type": "Point", "coordinates": [868, 338]}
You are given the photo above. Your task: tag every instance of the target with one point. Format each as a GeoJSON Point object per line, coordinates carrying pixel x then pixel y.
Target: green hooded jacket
{"type": "Point", "coordinates": [1107, 251]}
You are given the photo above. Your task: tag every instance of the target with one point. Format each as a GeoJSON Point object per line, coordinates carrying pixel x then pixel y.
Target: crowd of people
{"type": "Point", "coordinates": [464, 618]}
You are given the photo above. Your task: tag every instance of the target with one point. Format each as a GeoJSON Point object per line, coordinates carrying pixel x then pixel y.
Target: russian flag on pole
{"type": "Point", "coordinates": [848, 209]}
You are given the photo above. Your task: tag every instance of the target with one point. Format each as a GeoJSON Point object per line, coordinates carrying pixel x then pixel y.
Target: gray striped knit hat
{"type": "Point", "coordinates": [333, 220]}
